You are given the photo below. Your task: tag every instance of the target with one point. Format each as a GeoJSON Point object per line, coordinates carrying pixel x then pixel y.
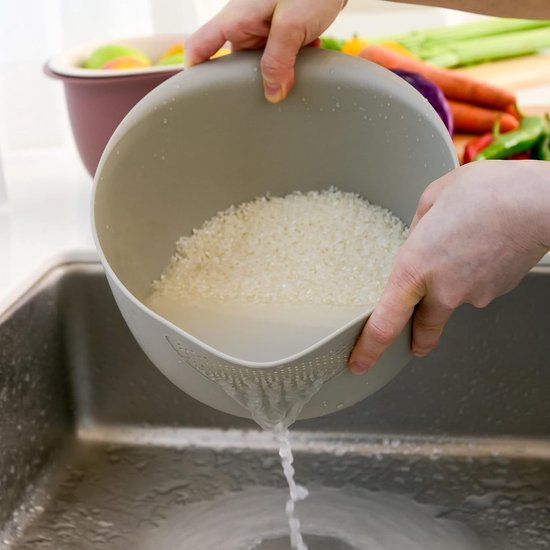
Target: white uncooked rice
{"type": "Point", "coordinates": [321, 247]}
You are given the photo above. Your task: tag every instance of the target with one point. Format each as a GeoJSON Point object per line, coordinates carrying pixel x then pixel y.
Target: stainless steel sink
{"type": "Point", "coordinates": [98, 449]}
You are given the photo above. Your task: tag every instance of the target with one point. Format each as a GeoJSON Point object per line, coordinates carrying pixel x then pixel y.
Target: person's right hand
{"type": "Point", "coordinates": [476, 233]}
{"type": "Point", "coordinates": [281, 26]}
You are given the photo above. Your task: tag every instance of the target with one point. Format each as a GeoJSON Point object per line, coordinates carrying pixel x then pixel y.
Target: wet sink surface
{"type": "Point", "coordinates": [99, 451]}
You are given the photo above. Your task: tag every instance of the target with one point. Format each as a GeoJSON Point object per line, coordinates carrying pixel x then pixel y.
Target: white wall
{"type": "Point", "coordinates": [32, 107]}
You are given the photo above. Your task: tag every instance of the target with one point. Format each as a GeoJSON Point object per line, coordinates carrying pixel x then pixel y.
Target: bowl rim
{"type": "Point", "coordinates": [64, 63]}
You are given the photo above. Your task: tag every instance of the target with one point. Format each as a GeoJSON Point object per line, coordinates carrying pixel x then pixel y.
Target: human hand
{"type": "Point", "coordinates": [475, 234]}
{"type": "Point", "coordinates": [281, 26]}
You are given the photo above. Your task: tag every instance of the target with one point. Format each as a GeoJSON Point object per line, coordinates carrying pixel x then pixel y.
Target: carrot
{"type": "Point", "coordinates": [472, 119]}
{"type": "Point", "coordinates": [513, 110]}
{"type": "Point", "coordinates": [453, 85]}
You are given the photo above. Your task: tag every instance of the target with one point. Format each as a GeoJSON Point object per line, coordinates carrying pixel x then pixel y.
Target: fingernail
{"type": "Point", "coordinates": [187, 62]}
{"type": "Point", "coordinates": [273, 92]}
{"type": "Point", "coordinates": [358, 368]}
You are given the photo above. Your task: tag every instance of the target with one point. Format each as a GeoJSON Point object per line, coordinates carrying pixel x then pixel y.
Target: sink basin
{"type": "Point", "coordinates": [99, 451]}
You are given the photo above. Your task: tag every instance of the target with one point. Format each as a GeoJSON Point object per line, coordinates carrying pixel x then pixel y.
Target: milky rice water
{"type": "Point", "coordinates": [328, 248]}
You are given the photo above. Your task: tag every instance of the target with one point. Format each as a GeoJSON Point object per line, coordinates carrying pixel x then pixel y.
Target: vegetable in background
{"type": "Point", "coordinates": [518, 145]}
{"type": "Point", "coordinates": [432, 93]}
{"type": "Point", "coordinates": [524, 155]}
{"type": "Point", "coordinates": [470, 52]}
{"type": "Point", "coordinates": [472, 119]}
{"type": "Point", "coordinates": [542, 148]}
{"type": "Point", "coordinates": [354, 45]}
{"type": "Point", "coordinates": [530, 131]}
{"type": "Point", "coordinates": [513, 110]}
{"type": "Point", "coordinates": [426, 38]}
{"type": "Point", "coordinates": [476, 145]}
{"type": "Point", "coordinates": [460, 44]}
{"type": "Point", "coordinates": [329, 43]}
{"type": "Point", "coordinates": [454, 86]}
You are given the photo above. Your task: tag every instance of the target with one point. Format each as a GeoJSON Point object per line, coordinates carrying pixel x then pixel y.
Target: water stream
{"type": "Point", "coordinates": [296, 492]}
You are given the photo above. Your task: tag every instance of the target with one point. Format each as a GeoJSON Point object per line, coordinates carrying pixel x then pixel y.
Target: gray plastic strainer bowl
{"type": "Point", "coordinates": [206, 139]}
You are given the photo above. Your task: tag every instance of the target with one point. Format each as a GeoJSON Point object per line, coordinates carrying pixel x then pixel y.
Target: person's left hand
{"type": "Point", "coordinates": [476, 233]}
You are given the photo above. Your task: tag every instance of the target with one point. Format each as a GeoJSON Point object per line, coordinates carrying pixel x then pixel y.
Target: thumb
{"type": "Point", "coordinates": [395, 308]}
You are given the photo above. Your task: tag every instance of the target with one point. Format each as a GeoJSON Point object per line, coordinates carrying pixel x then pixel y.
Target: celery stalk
{"type": "Point", "coordinates": [415, 41]}
{"type": "Point", "coordinates": [469, 52]}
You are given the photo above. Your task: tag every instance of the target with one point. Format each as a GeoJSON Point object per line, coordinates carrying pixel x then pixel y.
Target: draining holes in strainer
{"type": "Point", "coordinates": [314, 542]}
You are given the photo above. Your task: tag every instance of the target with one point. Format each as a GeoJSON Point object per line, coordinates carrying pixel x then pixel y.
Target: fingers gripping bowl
{"type": "Point", "coordinates": [207, 139]}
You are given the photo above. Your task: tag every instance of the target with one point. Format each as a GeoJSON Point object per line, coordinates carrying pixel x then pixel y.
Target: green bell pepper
{"type": "Point", "coordinates": [528, 134]}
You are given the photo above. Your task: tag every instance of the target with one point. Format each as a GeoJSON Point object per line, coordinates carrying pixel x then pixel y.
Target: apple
{"type": "Point", "coordinates": [174, 59]}
{"type": "Point", "coordinates": [106, 53]}
{"type": "Point", "coordinates": [125, 62]}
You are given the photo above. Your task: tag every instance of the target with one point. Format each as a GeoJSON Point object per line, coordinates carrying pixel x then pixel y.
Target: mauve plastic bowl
{"type": "Point", "coordinates": [98, 100]}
